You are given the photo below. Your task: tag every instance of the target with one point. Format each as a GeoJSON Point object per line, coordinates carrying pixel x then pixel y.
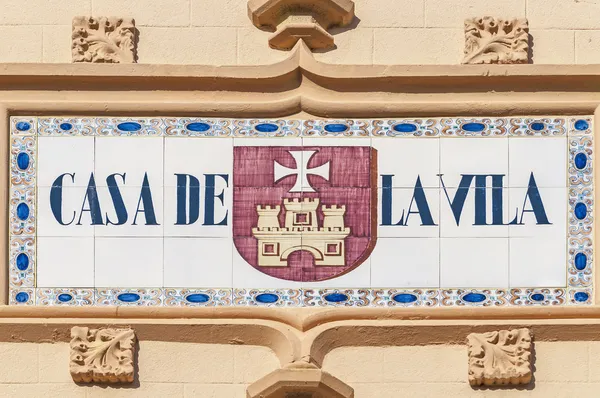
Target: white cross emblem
{"type": "Point", "coordinates": [301, 158]}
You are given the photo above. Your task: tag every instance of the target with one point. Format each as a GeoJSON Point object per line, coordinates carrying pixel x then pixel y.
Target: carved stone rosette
{"type": "Point", "coordinates": [102, 355]}
{"type": "Point", "coordinates": [104, 39]}
{"type": "Point", "coordinates": [490, 40]}
{"type": "Point", "coordinates": [500, 358]}
{"type": "Point", "coordinates": [292, 20]}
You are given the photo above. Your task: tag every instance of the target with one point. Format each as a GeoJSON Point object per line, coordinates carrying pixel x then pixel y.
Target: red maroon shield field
{"type": "Point", "coordinates": [304, 213]}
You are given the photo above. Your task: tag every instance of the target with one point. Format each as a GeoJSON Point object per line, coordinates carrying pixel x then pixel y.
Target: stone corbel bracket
{"type": "Point", "coordinates": [102, 355]}
{"type": "Point", "coordinates": [500, 358]}
{"type": "Point", "coordinates": [292, 20]}
{"type": "Point", "coordinates": [490, 40]}
{"type": "Point", "coordinates": [104, 40]}
{"type": "Point", "coordinates": [299, 379]}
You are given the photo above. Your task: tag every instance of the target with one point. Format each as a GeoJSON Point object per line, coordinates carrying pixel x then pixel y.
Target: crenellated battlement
{"type": "Point", "coordinates": [301, 232]}
{"type": "Point", "coordinates": [268, 208]}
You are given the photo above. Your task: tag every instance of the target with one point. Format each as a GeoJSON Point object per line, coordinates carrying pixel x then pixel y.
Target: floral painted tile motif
{"type": "Point", "coordinates": [291, 213]}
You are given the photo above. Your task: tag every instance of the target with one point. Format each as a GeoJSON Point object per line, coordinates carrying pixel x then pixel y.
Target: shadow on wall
{"type": "Point", "coordinates": [336, 31]}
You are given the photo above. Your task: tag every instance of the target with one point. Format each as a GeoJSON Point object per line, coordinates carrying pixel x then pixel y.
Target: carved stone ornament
{"type": "Point", "coordinates": [102, 355]}
{"type": "Point", "coordinates": [491, 40]}
{"type": "Point", "coordinates": [104, 39]}
{"type": "Point", "coordinates": [292, 20]}
{"type": "Point", "coordinates": [501, 357]}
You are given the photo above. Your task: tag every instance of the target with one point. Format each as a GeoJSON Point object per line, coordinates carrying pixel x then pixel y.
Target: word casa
{"type": "Point", "coordinates": [532, 202]}
{"type": "Point", "coordinates": [188, 201]}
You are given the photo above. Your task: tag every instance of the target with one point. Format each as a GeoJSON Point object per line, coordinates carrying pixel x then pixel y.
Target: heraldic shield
{"type": "Point", "coordinates": [304, 214]}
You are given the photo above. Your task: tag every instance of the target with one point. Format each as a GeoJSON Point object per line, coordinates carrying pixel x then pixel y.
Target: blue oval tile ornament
{"type": "Point", "coordinates": [336, 127]}
{"type": "Point", "coordinates": [66, 126]}
{"type": "Point", "coordinates": [197, 298]}
{"type": "Point", "coordinates": [405, 127]}
{"type": "Point", "coordinates": [198, 126]}
{"type": "Point", "coordinates": [580, 160]}
{"type": "Point", "coordinates": [128, 297]}
{"type": "Point", "coordinates": [537, 297]}
{"type": "Point", "coordinates": [23, 160]}
{"type": "Point", "coordinates": [22, 261]}
{"type": "Point", "coordinates": [266, 127]}
{"type": "Point", "coordinates": [23, 211]}
{"type": "Point", "coordinates": [404, 298]}
{"type": "Point", "coordinates": [580, 261]}
{"type": "Point", "coordinates": [581, 125]}
{"type": "Point", "coordinates": [22, 297]}
{"type": "Point", "coordinates": [474, 297]}
{"type": "Point", "coordinates": [23, 126]}
{"type": "Point", "coordinates": [580, 211]}
{"type": "Point", "coordinates": [473, 127]}
{"type": "Point", "coordinates": [537, 126]}
{"type": "Point", "coordinates": [336, 297]}
{"type": "Point", "coordinates": [129, 126]}
{"type": "Point", "coordinates": [64, 297]}
{"type": "Point", "coordinates": [267, 298]}
{"type": "Point", "coordinates": [581, 297]}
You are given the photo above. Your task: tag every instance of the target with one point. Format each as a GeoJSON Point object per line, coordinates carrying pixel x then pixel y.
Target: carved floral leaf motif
{"type": "Point", "coordinates": [102, 355]}
{"type": "Point", "coordinates": [491, 40]}
{"type": "Point", "coordinates": [501, 357]}
{"type": "Point", "coordinates": [106, 40]}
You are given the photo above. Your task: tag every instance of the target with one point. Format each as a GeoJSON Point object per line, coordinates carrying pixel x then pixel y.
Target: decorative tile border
{"type": "Point", "coordinates": [22, 205]}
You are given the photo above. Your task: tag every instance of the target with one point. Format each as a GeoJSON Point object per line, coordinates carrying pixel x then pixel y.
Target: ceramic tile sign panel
{"type": "Point", "coordinates": [293, 213]}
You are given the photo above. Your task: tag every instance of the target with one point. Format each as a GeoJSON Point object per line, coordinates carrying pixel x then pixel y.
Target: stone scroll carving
{"type": "Point", "coordinates": [501, 357]}
{"type": "Point", "coordinates": [104, 40]}
{"type": "Point", "coordinates": [292, 20]}
{"type": "Point", "coordinates": [102, 355]}
{"type": "Point", "coordinates": [490, 40]}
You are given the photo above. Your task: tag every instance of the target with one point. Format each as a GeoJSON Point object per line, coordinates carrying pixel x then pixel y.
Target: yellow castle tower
{"type": "Point", "coordinates": [301, 232]}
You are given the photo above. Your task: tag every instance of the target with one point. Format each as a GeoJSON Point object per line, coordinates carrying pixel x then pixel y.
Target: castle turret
{"type": "Point", "coordinates": [333, 216]}
{"type": "Point", "coordinates": [267, 216]}
{"type": "Point", "coordinates": [301, 213]}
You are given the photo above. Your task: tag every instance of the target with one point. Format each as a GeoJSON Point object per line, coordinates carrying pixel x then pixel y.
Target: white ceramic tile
{"type": "Point", "coordinates": [197, 156]}
{"type": "Point", "coordinates": [221, 214]}
{"type": "Point", "coordinates": [474, 262]}
{"type": "Point", "coordinates": [59, 155]}
{"type": "Point", "coordinates": [65, 262]}
{"type": "Point", "coordinates": [336, 141]}
{"type": "Point", "coordinates": [129, 262]}
{"type": "Point", "coordinates": [483, 155]}
{"type": "Point", "coordinates": [538, 262]}
{"type": "Point", "coordinates": [272, 141]}
{"type": "Point", "coordinates": [78, 223]}
{"type": "Point", "coordinates": [358, 277]}
{"type": "Point", "coordinates": [198, 263]}
{"type": "Point", "coordinates": [131, 197]}
{"type": "Point", "coordinates": [134, 156]}
{"type": "Point", "coordinates": [245, 276]}
{"type": "Point", "coordinates": [416, 224]}
{"type": "Point", "coordinates": [465, 227]}
{"type": "Point", "coordinates": [555, 203]}
{"type": "Point", "coordinates": [405, 263]}
{"type": "Point", "coordinates": [545, 157]}
{"type": "Point", "coordinates": [408, 158]}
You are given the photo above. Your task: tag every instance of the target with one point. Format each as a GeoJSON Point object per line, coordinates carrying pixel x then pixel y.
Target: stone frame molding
{"type": "Point", "coordinates": [500, 357]}
{"type": "Point", "coordinates": [306, 20]}
{"type": "Point", "coordinates": [104, 40]}
{"type": "Point", "coordinates": [102, 355]}
{"type": "Point", "coordinates": [490, 40]}
{"type": "Point", "coordinates": [298, 86]}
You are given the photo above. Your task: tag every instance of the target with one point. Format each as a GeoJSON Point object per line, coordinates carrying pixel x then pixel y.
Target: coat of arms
{"type": "Point", "coordinates": [304, 213]}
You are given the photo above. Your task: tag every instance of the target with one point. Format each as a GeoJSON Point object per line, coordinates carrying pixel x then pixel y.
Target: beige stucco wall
{"type": "Point", "coordinates": [564, 369]}
{"type": "Point", "coordinates": [168, 369]}
{"type": "Point", "coordinates": [165, 369]}
{"type": "Point", "coordinates": [219, 32]}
